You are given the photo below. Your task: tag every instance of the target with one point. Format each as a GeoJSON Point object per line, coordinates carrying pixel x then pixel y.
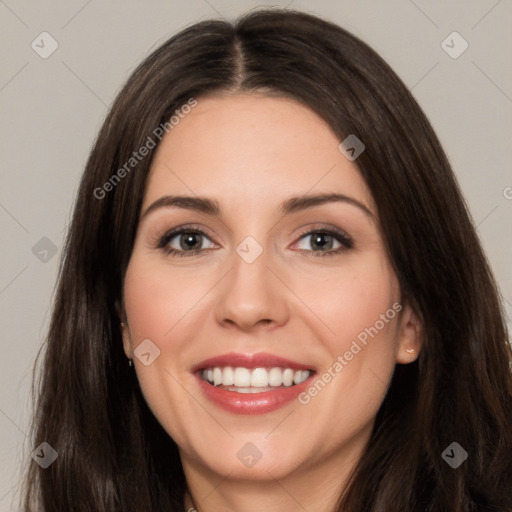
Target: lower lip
{"type": "Point", "coordinates": [252, 403]}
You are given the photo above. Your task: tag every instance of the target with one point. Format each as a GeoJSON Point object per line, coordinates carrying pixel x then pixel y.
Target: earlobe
{"type": "Point", "coordinates": [410, 336]}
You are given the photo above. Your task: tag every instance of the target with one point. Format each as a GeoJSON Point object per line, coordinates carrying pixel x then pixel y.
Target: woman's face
{"type": "Point", "coordinates": [278, 291]}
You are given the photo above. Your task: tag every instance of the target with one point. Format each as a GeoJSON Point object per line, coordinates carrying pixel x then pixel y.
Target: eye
{"type": "Point", "coordinates": [325, 239]}
{"type": "Point", "coordinates": [188, 241]}
{"type": "Point", "coordinates": [183, 241]}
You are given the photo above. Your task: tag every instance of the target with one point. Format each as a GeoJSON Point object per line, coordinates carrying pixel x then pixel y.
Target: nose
{"type": "Point", "coordinates": [252, 296]}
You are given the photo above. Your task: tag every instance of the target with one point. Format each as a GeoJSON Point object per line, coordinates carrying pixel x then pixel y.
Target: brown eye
{"type": "Point", "coordinates": [325, 239]}
{"type": "Point", "coordinates": [183, 242]}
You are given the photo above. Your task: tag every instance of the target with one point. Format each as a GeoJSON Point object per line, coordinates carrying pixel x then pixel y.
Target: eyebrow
{"type": "Point", "coordinates": [291, 205]}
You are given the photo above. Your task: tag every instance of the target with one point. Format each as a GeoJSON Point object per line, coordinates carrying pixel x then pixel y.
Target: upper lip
{"type": "Point", "coordinates": [259, 360]}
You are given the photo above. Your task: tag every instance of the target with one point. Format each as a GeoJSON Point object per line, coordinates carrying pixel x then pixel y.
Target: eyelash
{"type": "Point", "coordinates": [340, 236]}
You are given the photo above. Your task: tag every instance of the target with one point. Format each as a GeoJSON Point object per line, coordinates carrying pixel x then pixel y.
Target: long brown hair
{"type": "Point", "coordinates": [113, 455]}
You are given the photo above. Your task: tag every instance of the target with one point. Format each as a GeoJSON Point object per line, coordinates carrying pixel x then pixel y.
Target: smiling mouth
{"type": "Point", "coordinates": [253, 380]}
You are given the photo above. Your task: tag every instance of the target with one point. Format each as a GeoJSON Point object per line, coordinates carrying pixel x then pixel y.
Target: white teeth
{"type": "Point", "coordinates": [217, 376]}
{"type": "Point", "coordinates": [228, 376]}
{"type": "Point", "coordinates": [256, 380]}
{"type": "Point", "coordinates": [242, 378]}
{"type": "Point", "coordinates": [259, 378]}
{"type": "Point", "coordinates": [288, 377]}
{"type": "Point", "coordinates": [304, 375]}
{"type": "Point", "coordinates": [275, 377]}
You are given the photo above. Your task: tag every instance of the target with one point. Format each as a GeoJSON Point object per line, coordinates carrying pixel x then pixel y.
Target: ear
{"type": "Point", "coordinates": [119, 307]}
{"type": "Point", "coordinates": [125, 330]}
{"type": "Point", "coordinates": [127, 340]}
{"type": "Point", "coordinates": [410, 336]}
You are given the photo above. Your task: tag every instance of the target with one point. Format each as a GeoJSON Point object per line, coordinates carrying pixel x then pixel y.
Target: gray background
{"type": "Point", "coordinates": [51, 110]}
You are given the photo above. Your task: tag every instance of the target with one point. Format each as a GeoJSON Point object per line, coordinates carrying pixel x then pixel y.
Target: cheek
{"type": "Point", "coordinates": [366, 313]}
{"type": "Point", "coordinates": [158, 302]}
{"type": "Point", "coordinates": [161, 308]}
{"type": "Point", "coordinates": [353, 302]}
{"type": "Point", "coordinates": [359, 309]}
{"type": "Point", "coordinates": [359, 362]}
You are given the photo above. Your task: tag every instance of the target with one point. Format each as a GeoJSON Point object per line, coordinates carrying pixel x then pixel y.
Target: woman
{"type": "Point", "coordinates": [272, 296]}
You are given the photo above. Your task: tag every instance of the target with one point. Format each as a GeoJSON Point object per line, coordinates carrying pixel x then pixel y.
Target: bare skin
{"type": "Point", "coordinates": [250, 153]}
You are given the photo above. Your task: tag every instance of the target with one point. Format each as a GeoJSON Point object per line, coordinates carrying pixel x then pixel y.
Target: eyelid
{"type": "Point", "coordinates": [161, 239]}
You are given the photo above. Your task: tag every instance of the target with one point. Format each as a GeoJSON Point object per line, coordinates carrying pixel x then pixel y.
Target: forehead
{"type": "Point", "coordinates": [252, 151]}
